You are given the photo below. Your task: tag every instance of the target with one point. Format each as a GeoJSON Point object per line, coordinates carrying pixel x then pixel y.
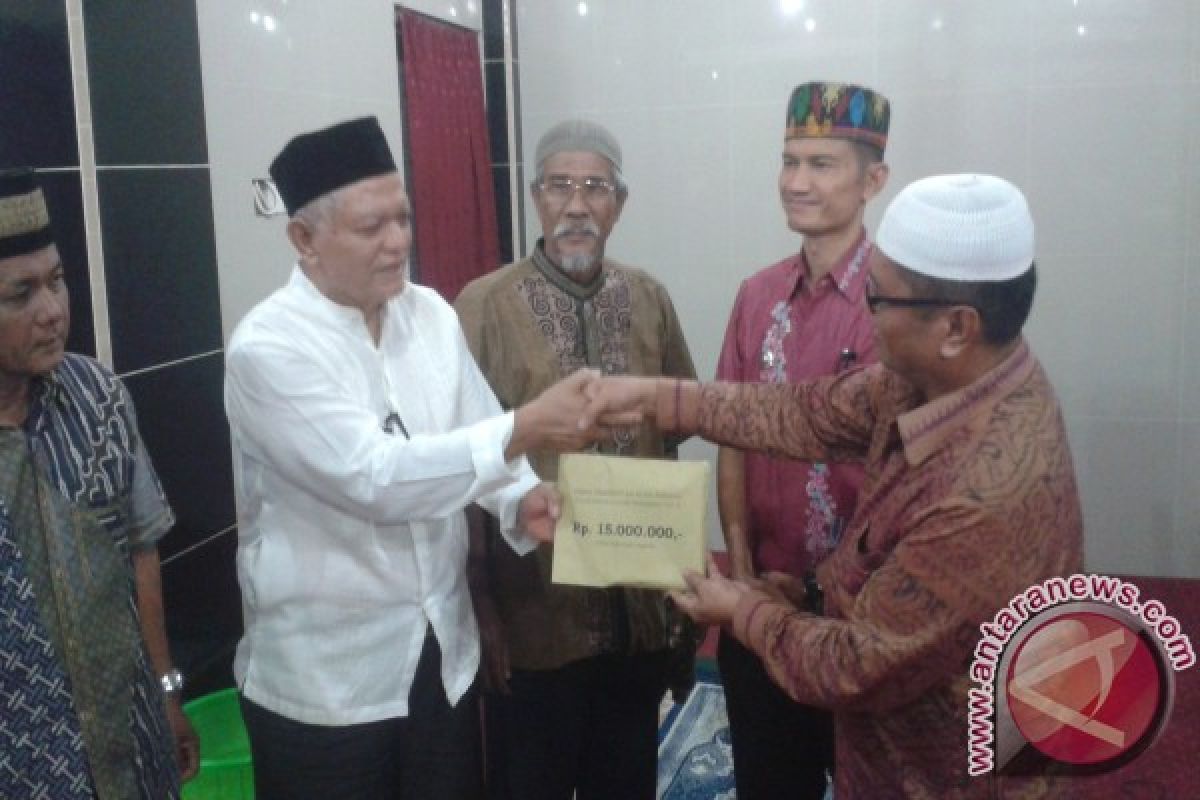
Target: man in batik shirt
{"type": "Point", "coordinates": [579, 673]}
{"type": "Point", "coordinates": [800, 318]}
{"type": "Point", "coordinates": [969, 496]}
{"type": "Point", "coordinates": [81, 511]}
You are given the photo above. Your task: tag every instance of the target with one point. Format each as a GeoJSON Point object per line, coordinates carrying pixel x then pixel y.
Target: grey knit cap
{"type": "Point", "coordinates": [578, 135]}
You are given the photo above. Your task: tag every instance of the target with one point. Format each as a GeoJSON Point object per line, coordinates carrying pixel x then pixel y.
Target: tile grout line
{"type": "Point", "coordinates": [176, 362]}
{"type": "Point", "coordinates": [152, 166]}
{"type": "Point", "coordinates": [197, 545]}
{"type": "Point", "coordinates": [102, 333]}
{"type": "Point", "coordinates": [516, 221]}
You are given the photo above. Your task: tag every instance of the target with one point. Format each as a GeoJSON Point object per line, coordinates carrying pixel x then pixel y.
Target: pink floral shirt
{"type": "Point", "coordinates": [785, 329]}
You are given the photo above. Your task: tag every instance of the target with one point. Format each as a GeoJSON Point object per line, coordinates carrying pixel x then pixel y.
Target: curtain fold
{"type": "Point", "coordinates": [450, 173]}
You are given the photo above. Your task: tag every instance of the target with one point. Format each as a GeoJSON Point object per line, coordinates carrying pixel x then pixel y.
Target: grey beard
{"type": "Point", "coordinates": [578, 263]}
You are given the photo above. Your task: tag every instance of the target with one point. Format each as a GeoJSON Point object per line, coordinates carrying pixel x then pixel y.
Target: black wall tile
{"type": "Point", "coordinates": [497, 111]}
{"type": "Point", "coordinates": [144, 75]}
{"type": "Point", "coordinates": [181, 415]}
{"type": "Point", "coordinates": [37, 103]}
{"type": "Point", "coordinates": [204, 613]}
{"type": "Point", "coordinates": [523, 179]}
{"type": "Point", "coordinates": [160, 264]}
{"type": "Point", "coordinates": [64, 197]}
{"type": "Point", "coordinates": [493, 29]}
{"type": "Point", "coordinates": [501, 184]}
{"type": "Point", "coordinates": [515, 111]}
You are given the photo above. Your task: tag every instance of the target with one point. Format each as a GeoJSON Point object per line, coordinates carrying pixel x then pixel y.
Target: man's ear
{"type": "Point", "coordinates": [301, 237]}
{"type": "Point", "coordinates": [963, 329]}
{"type": "Point", "coordinates": [621, 198]}
{"type": "Point", "coordinates": [877, 178]}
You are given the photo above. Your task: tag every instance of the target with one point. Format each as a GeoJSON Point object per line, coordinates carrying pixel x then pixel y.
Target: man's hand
{"type": "Point", "coordinates": [709, 600]}
{"type": "Point", "coordinates": [619, 402]}
{"type": "Point", "coordinates": [147, 573]}
{"type": "Point", "coordinates": [539, 511]}
{"type": "Point", "coordinates": [551, 421]}
{"type": "Point", "coordinates": [783, 588]}
{"type": "Point", "coordinates": [187, 744]}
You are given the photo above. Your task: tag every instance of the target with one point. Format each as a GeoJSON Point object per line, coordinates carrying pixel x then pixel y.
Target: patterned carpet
{"type": "Point", "coordinates": [694, 760]}
{"type": "Point", "coordinates": [694, 757]}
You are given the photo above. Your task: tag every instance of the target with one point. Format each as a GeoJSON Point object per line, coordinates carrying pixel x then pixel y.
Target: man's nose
{"type": "Point", "coordinates": [399, 235]}
{"type": "Point", "coordinates": [797, 179]}
{"type": "Point", "coordinates": [576, 205]}
{"type": "Point", "coordinates": [51, 306]}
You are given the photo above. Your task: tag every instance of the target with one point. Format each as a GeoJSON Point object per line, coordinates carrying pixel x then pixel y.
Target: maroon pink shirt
{"type": "Point", "coordinates": [969, 499]}
{"type": "Point", "coordinates": [783, 330]}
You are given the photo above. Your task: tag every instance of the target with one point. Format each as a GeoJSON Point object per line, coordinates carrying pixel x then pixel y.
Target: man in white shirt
{"type": "Point", "coordinates": [361, 429]}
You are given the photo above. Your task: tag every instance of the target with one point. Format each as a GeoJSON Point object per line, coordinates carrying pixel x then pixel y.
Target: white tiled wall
{"type": "Point", "coordinates": [1092, 106]}
{"type": "Point", "coordinates": [272, 69]}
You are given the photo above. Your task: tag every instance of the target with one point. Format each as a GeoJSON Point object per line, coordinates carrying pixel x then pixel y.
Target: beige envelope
{"type": "Point", "coordinates": [630, 521]}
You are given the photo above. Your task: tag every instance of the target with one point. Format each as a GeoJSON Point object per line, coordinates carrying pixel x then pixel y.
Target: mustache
{"type": "Point", "coordinates": [576, 228]}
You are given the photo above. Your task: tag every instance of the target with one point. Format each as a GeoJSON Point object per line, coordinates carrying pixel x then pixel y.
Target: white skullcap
{"type": "Point", "coordinates": [959, 228]}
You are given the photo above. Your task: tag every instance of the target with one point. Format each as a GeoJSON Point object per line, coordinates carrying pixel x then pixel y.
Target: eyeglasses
{"type": "Point", "coordinates": [560, 188]}
{"type": "Point", "coordinates": [877, 301]}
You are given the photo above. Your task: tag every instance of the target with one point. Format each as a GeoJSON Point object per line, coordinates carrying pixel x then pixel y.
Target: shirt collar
{"type": "Point", "coordinates": [924, 429]}
{"type": "Point", "coordinates": [847, 275]}
{"type": "Point", "coordinates": [346, 317]}
{"type": "Point", "coordinates": [556, 277]}
{"type": "Point", "coordinates": [45, 390]}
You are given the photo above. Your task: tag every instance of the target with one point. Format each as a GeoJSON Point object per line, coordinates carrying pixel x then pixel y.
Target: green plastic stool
{"type": "Point", "coordinates": [226, 772]}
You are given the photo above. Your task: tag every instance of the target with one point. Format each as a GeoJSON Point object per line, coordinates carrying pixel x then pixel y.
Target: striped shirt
{"type": "Point", "coordinates": [78, 493]}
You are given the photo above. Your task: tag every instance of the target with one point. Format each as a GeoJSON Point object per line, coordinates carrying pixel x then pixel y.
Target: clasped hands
{"type": "Point", "coordinates": [579, 410]}
{"type": "Point", "coordinates": [583, 408]}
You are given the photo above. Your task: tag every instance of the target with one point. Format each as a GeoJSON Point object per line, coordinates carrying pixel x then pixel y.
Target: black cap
{"type": "Point", "coordinates": [24, 218]}
{"type": "Point", "coordinates": [316, 163]}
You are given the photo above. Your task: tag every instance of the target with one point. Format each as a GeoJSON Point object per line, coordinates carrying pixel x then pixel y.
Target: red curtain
{"type": "Point", "coordinates": [450, 173]}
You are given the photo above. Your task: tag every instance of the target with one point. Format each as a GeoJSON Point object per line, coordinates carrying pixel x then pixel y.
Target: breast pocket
{"type": "Point", "coordinates": [264, 572]}
{"type": "Point", "coordinates": [859, 560]}
{"type": "Point", "coordinates": [112, 515]}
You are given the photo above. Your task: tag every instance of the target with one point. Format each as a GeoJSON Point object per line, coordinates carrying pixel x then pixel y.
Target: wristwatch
{"type": "Point", "coordinates": [814, 595]}
{"type": "Point", "coordinates": [171, 681]}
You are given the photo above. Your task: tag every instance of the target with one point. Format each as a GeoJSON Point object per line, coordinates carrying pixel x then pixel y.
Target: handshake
{"type": "Point", "coordinates": [582, 408]}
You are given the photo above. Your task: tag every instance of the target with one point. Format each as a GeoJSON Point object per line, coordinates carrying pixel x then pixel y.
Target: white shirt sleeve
{"type": "Point", "coordinates": [502, 503]}
{"type": "Point", "coordinates": [291, 413]}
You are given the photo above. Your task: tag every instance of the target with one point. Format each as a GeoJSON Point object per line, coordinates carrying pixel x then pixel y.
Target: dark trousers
{"type": "Point", "coordinates": [432, 754]}
{"type": "Point", "coordinates": [588, 730]}
{"type": "Point", "coordinates": [780, 747]}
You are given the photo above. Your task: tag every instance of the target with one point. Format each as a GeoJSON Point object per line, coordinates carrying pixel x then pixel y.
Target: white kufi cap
{"type": "Point", "coordinates": [959, 228]}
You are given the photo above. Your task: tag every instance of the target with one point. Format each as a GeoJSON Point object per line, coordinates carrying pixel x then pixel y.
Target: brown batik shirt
{"type": "Point", "coordinates": [528, 326]}
{"type": "Point", "coordinates": [968, 500]}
